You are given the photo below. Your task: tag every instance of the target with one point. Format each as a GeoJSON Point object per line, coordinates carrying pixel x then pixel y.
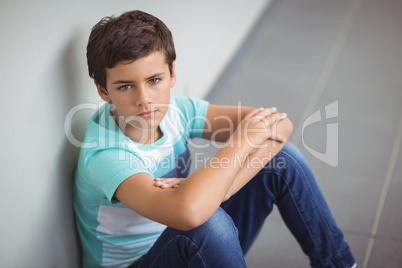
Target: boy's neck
{"type": "Point", "coordinates": [143, 136]}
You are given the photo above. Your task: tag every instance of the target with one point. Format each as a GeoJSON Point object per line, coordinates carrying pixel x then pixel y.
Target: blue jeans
{"type": "Point", "coordinates": [226, 237]}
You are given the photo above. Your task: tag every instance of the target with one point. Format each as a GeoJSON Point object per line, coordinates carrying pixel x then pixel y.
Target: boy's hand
{"type": "Point", "coordinates": [273, 120]}
{"type": "Point", "coordinates": [259, 126]}
{"type": "Point", "coordinates": [168, 183]}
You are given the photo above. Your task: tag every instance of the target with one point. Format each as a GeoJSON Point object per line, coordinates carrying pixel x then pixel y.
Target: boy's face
{"type": "Point", "coordinates": [139, 91]}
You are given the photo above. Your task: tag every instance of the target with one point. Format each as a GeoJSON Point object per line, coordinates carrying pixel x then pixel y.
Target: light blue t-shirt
{"type": "Point", "coordinates": [113, 235]}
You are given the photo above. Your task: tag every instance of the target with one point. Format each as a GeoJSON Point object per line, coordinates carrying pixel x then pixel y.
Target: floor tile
{"type": "Point", "coordinates": [357, 245]}
{"type": "Point", "coordinates": [390, 225]}
{"type": "Point", "coordinates": [366, 83]}
{"type": "Point", "coordinates": [397, 176]}
{"type": "Point", "coordinates": [285, 36]}
{"type": "Point", "coordinates": [275, 215]}
{"type": "Point", "coordinates": [259, 88]}
{"type": "Point", "coordinates": [276, 247]}
{"type": "Point", "coordinates": [381, 22]}
{"type": "Point", "coordinates": [386, 254]}
{"type": "Point", "coordinates": [352, 201]}
{"type": "Point", "coordinates": [201, 152]}
{"type": "Point", "coordinates": [364, 144]}
{"type": "Point", "coordinates": [357, 241]}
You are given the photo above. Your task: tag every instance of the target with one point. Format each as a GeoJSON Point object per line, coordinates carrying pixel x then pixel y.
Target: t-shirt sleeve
{"type": "Point", "coordinates": [107, 169]}
{"type": "Point", "coordinates": [193, 113]}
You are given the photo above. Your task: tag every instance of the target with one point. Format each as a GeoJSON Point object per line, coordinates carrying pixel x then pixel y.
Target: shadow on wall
{"type": "Point", "coordinates": [71, 72]}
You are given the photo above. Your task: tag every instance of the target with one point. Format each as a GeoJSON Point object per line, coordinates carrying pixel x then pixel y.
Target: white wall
{"type": "Point", "coordinates": [43, 75]}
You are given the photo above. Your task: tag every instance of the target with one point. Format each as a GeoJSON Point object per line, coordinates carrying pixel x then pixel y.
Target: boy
{"type": "Point", "coordinates": [128, 216]}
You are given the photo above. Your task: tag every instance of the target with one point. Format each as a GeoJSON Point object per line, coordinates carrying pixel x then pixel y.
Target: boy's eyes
{"type": "Point", "coordinates": [124, 87]}
{"type": "Point", "coordinates": [152, 81]}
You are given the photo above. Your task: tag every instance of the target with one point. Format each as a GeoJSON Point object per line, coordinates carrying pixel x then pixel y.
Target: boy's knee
{"type": "Point", "coordinates": [217, 242]}
{"type": "Point", "coordinates": [219, 239]}
{"type": "Point", "coordinates": [289, 159]}
{"type": "Point", "coordinates": [220, 226]}
{"type": "Point", "coordinates": [291, 153]}
{"type": "Point", "coordinates": [292, 150]}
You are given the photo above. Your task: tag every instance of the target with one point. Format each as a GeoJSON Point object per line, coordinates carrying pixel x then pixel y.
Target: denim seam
{"type": "Point", "coordinates": [296, 165]}
{"type": "Point", "coordinates": [300, 214]}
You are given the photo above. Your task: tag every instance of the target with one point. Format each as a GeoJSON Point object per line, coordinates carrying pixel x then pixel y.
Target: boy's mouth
{"type": "Point", "coordinates": [147, 114]}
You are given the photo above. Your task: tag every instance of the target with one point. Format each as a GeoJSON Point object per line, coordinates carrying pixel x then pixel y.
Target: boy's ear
{"type": "Point", "coordinates": [173, 76]}
{"type": "Point", "coordinates": [102, 92]}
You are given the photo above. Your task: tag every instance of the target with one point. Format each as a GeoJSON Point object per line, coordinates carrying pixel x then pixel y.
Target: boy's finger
{"type": "Point", "coordinates": [277, 137]}
{"type": "Point", "coordinates": [268, 118]}
{"type": "Point", "coordinates": [274, 135]}
{"type": "Point", "coordinates": [261, 113]}
{"type": "Point", "coordinates": [170, 180]}
{"type": "Point", "coordinates": [158, 183]}
{"type": "Point", "coordinates": [266, 112]}
{"type": "Point", "coordinates": [276, 117]}
{"type": "Point", "coordinates": [163, 185]}
{"type": "Point", "coordinates": [252, 113]}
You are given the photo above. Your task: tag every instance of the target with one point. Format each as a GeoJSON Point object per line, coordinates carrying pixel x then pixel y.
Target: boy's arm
{"type": "Point", "coordinates": [194, 202]}
{"type": "Point", "coordinates": [222, 120]}
{"type": "Point", "coordinates": [258, 159]}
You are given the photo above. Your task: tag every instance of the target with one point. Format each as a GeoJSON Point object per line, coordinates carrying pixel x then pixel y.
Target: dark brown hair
{"type": "Point", "coordinates": [132, 35]}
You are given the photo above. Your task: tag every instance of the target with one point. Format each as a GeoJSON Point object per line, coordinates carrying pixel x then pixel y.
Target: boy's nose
{"type": "Point", "coordinates": [143, 97]}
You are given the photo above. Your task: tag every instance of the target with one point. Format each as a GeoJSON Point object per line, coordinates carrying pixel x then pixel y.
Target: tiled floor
{"type": "Point", "coordinates": [302, 56]}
